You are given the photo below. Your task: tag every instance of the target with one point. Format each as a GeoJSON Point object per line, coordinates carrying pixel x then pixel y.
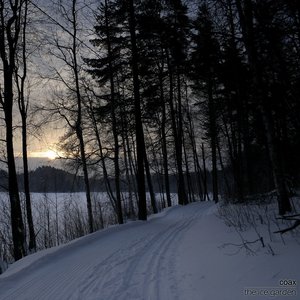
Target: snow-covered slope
{"type": "Point", "coordinates": [175, 255]}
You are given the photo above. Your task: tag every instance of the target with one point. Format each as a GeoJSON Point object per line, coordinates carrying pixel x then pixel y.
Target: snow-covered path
{"type": "Point", "coordinates": [134, 261]}
{"type": "Point", "coordinates": [176, 255]}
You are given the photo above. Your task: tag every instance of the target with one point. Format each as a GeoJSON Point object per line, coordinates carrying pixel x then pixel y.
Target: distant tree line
{"type": "Point", "coordinates": [206, 92]}
{"type": "Point", "coordinates": [46, 179]}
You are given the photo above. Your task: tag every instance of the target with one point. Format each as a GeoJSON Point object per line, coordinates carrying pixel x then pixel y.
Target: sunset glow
{"type": "Point", "coordinates": [50, 154]}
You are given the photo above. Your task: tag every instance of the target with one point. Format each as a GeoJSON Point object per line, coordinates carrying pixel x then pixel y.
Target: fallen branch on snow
{"type": "Point", "coordinates": [245, 245]}
{"type": "Point", "coordinates": [289, 218]}
{"type": "Point", "coordinates": [296, 224]}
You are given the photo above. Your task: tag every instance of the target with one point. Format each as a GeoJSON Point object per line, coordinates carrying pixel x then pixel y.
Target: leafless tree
{"type": "Point", "coordinates": [23, 103]}
{"type": "Point", "coordinates": [68, 103]}
{"type": "Point", "coordinates": [11, 13]}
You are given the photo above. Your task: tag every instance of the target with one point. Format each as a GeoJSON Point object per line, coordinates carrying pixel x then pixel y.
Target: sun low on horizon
{"type": "Point", "coordinates": [48, 153]}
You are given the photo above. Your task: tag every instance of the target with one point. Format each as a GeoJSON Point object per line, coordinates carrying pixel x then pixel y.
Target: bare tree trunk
{"type": "Point", "coordinates": [140, 143]}
{"type": "Point", "coordinates": [213, 141]}
{"type": "Point", "coordinates": [86, 179]}
{"type": "Point", "coordinates": [16, 213]}
{"type": "Point", "coordinates": [179, 145]}
{"type": "Point", "coordinates": [188, 175]}
{"type": "Point", "coordinates": [131, 160]}
{"type": "Point", "coordinates": [150, 186]}
{"type": "Point", "coordinates": [223, 170]}
{"type": "Point", "coordinates": [197, 168]}
{"type": "Point", "coordinates": [78, 125]}
{"type": "Point", "coordinates": [158, 169]}
{"type": "Point", "coordinates": [104, 168]}
{"type": "Point", "coordinates": [9, 35]}
{"type": "Point", "coordinates": [205, 191]}
{"type": "Point", "coordinates": [164, 141]}
{"type": "Point", "coordinates": [232, 149]}
{"type": "Point", "coordinates": [114, 120]}
{"type": "Point", "coordinates": [128, 177]}
{"type": "Point", "coordinates": [177, 134]}
{"type": "Point", "coordinates": [284, 204]}
{"type": "Point", "coordinates": [32, 239]}
{"type": "Point", "coordinates": [23, 108]}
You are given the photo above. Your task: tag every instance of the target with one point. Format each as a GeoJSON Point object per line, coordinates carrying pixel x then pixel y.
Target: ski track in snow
{"type": "Point", "coordinates": [132, 262]}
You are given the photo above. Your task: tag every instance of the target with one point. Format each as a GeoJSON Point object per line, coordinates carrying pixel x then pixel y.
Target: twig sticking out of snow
{"type": "Point", "coordinates": [245, 245]}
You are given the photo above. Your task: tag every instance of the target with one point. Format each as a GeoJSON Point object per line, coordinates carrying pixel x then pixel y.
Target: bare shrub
{"type": "Point", "coordinates": [258, 217]}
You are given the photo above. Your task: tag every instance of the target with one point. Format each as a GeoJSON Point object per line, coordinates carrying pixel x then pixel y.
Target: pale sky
{"type": "Point", "coordinates": [43, 143]}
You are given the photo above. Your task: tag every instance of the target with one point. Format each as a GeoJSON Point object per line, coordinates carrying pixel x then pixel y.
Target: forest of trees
{"type": "Point", "coordinates": [206, 91]}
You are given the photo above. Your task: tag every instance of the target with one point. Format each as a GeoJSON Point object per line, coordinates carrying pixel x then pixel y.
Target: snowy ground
{"type": "Point", "coordinates": [61, 217]}
{"type": "Point", "coordinates": [175, 255]}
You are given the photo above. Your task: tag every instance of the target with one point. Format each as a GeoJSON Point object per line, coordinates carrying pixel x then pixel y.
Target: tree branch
{"type": "Point", "coordinates": [296, 224]}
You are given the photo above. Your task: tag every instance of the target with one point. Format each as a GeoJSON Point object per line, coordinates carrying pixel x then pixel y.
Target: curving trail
{"type": "Point", "coordinates": [139, 260]}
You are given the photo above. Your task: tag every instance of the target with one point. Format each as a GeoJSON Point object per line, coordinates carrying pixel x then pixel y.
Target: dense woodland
{"type": "Point", "coordinates": [206, 91]}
